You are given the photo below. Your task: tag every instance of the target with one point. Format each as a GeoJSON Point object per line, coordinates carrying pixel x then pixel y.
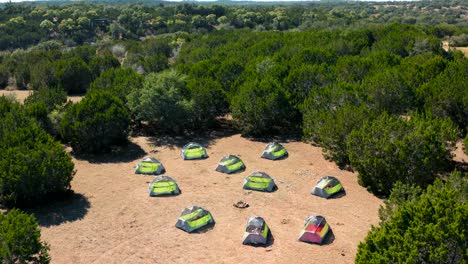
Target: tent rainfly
{"type": "Point", "coordinates": [194, 218]}
{"type": "Point", "coordinates": [163, 185]}
{"type": "Point", "coordinates": [150, 166]}
{"type": "Point", "coordinates": [274, 151]}
{"type": "Point", "coordinates": [257, 232]}
{"type": "Point", "coordinates": [230, 164]}
{"type": "Point", "coordinates": [327, 186]}
{"type": "Point", "coordinates": [193, 151]}
{"type": "Point", "coordinates": [259, 181]}
{"type": "Point", "coordinates": [315, 229]}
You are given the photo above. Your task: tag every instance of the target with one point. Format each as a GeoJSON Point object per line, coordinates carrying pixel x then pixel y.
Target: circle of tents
{"type": "Point", "coordinates": [194, 218]}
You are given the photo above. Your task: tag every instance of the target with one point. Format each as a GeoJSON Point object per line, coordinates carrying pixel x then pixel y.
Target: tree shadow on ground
{"type": "Point", "coordinates": [125, 153]}
{"type": "Point", "coordinates": [204, 138]}
{"type": "Point", "coordinates": [277, 137]}
{"type": "Point", "coordinates": [72, 207]}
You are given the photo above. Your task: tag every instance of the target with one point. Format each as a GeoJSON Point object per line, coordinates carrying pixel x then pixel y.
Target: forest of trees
{"type": "Point", "coordinates": [369, 83]}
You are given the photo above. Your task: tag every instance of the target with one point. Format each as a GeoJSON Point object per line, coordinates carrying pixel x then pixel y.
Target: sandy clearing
{"type": "Point", "coordinates": [112, 219]}
{"type": "Point", "coordinates": [21, 95]}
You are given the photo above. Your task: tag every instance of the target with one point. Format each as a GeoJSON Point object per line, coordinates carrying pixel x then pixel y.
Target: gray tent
{"type": "Point", "coordinates": [194, 218]}
{"type": "Point", "coordinates": [257, 232]}
{"type": "Point", "coordinates": [230, 164]}
{"type": "Point", "coordinates": [163, 185]}
{"type": "Point", "coordinates": [327, 187]}
{"type": "Point", "coordinates": [274, 151]}
{"type": "Point", "coordinates": [193, 151]}
{"type": "Point", "coordinates": [150, 166]}
{"type": "Point", "coordinates": [259, 181]}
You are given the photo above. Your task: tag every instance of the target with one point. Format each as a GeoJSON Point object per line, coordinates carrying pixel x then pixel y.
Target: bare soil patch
{"type": "Point", "coordinates": [113, 220]}
{"type": "Point", "coordinates": [21, 95]}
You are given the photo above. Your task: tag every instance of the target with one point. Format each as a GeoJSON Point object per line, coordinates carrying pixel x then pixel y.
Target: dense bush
{"type": "Point", "coordinates": [73, 75]}
{"type": "Point", "coordinates": [118, 81]}
{"type": "Point", "coordinates": [427, 228]}
{"type": "Point", "coordinates": [20, 239]}
{"type": "Point", "coordinates": [209, 101]}
{"type": "Point", "coordinates": [260, 107]}
{"type": "Point", "coordinates": [392, 149]}
{"type": "Point", "coordinates": [32, 165]}
{"type": "Point", "coordinates": [52, 97]}
{"type": "Point", "coordinates": [335, 128]}
{"type": "Point", "coordinates": [446, 96]}
{"type": "Point", "coordinates": [162, 101]}
{"type": "Point", "coordinates": [96, 123]}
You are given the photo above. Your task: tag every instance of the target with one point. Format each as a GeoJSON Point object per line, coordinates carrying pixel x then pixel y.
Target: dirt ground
{"type": "Point", "coordinates": [20, 95]}
{"type": "Point", "coordinates": [111, 218]}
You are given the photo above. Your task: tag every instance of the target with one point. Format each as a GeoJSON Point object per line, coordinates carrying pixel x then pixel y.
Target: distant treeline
{"type": "Point", "coordinates": [27, 24]}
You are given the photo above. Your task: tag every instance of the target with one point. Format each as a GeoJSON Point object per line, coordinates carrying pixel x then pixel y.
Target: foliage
{"type": "Point", "coordinates": [73, 75]}
{"type": "Point", "coordinates": [32, 165]}
{"type": "Point", "coordinates": [260, 107]}
{"type": "Point", "coordinates": [446, 96]}
{"type": "Point", "coordinates": [119, 81]}
{"type": "Point", "coordinates": [162, 101]}
{"type": "Point", "coordinates": [427, 228]}
{"type": "Point", "coordinates": [209, 101]}
{"type": "Point", "coordinates": [20, 239]}
{"type": "Point", "coordinates": [50, 96]}
{"type": "Point", "coordinates": [391, 149]}
{"type": "Point", "coordinates": [96, 123]}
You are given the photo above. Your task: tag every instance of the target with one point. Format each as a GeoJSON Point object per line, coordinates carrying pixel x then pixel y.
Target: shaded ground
{"type": "Point", "coordinates": [115, 221]}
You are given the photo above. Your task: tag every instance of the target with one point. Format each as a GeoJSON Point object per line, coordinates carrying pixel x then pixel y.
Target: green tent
{"type": "Point", "coordinates": [163, 185]}
{"type": "Point", "coordinates": [194, 218]}
{"type": "Point", "coordinates": [230, 164]}
{"type": "Point", "coordinates": [150, 166]}
{"type": "Point", "coordinates": [274, 151]}
{"type": "Point", "coordinates": [327, 187]}
{"type": "Point", "coordinates": [257, 232]}
{"type": "Point", "coordinates": [259, 181]}
{"type": "Point", "coordinates": [193, 151]}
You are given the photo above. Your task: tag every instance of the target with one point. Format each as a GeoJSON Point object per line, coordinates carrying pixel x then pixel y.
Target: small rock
{"type": "Point", "coordinates": [241, 204]}
{"type": "Point", "coordinates": [268, 249]}
{"type": "Point", "coordinates": [285, 221]}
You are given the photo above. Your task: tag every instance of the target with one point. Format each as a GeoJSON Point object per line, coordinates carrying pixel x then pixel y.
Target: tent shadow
{"type": "Point", "coordinates": [269, 242]}
{"type": "Point", "coordinates": [337, 195]}
{"type": "Point", "coordinates": [125, 153]}
{"type": "Point", "coordinates": [72, 207]}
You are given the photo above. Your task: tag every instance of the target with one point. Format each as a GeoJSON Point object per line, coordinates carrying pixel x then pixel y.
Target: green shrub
{"type": "Point", "coordinates": [260, 107]}
{"type": "Point", "coordinates": [20, 239]}
{"type": "Point", "coordinates": [427, 228]}
{"type": "Point", "coordinates": [4, 76]}
{"type": "Point", "coordinates": [52, 97]}
{"type": "Point", "coordinates": [73, 75]}
{"type": "Point", "coordinates": [32, 164]}
{"type": "Point", "coordinates": [162, 101]}
{"type": "Point", "coordinates": [209, 101]}
{"type": "Point", "coordinates": [99, 121]}
{"type": "Point", "coordinates": [103, 63]}
{"type": "Point", "coordinates": [446, 96]}
{"type": "Point", "coordinates": [392, 149]}
{"type": "Point", "coordinates": [119, 81]}
{"type": "Point", "coordinates": [335, 128]}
